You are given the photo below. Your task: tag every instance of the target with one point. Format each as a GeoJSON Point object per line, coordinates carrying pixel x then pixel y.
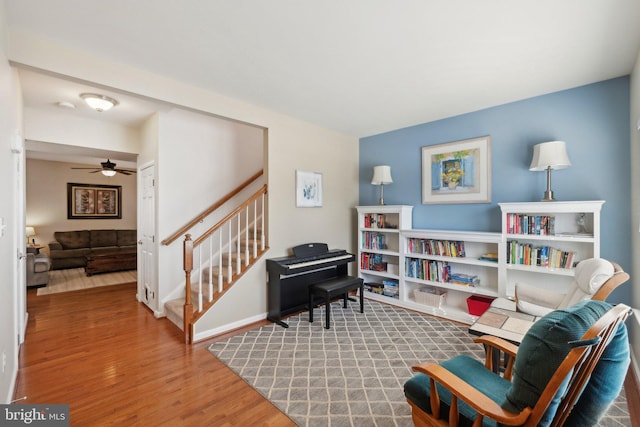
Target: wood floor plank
{"type": "Point", "coordinates": [104, 354]}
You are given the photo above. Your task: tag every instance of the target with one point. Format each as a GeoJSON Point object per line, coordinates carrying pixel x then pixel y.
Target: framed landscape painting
{"type": "Point", "coordinates": [92, 201]}
{"type": "Point", "coordinates": [457, 172]}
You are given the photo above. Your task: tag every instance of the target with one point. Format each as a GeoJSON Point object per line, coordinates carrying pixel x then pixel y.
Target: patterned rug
{"type": "Point", "coordinates": [73, 279]}
{"type": "Point", "coordinates": [353, 373]}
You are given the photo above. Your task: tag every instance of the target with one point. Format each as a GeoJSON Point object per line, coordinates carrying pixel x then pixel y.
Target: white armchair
{"type": "Point", "coordinates": [595, 278]}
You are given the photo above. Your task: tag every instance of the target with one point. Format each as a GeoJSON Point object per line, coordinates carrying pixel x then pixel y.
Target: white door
{"type": "Point", "coordinates": [20, 241]}
{"type": "Point", "coordinates": [147, 284]}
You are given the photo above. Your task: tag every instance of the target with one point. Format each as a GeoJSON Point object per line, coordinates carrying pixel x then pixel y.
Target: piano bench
{"type": "Point", "coordinates": [330, 289]}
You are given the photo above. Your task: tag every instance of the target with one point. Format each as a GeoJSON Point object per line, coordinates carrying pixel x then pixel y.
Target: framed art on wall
{"type": "Point", "coordinates": [308, 189]}
{"type": "Point", "coordinates": [93, 201]}
{"type": "Point", "coordinates": [457, 172]}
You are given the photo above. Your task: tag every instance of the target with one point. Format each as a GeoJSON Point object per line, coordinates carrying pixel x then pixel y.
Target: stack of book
{"type": "Point", "coordinates": [376, 288]}
{"type": "Point", "coordinates": [489, 257]}
{"type": "Point", "coordinates": [465, 279]}
{"type": "Point", "coordinates": [390, 288]}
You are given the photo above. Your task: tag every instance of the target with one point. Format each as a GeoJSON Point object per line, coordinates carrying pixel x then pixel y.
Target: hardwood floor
{"type": "Point", "coordinates": [104, 354]}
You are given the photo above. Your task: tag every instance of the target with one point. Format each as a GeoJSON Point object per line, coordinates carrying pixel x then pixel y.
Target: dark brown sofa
{"type": "Point", "coordinates": [71, 248]}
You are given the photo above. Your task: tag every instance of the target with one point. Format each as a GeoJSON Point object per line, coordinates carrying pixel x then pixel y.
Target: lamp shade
{"type": "Point", "coordinates": [30, 231]}
{"type": "Point", "coordinates": [551, 154]}
{"type": "Point", "coordinates": [381, 175]}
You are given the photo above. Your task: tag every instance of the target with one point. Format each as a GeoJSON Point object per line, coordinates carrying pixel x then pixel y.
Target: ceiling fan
{"type": "Point", "coordinates": [109, 169]}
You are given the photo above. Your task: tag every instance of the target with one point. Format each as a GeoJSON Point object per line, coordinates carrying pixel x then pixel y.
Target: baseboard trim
{"type": "Point", "coordinates": [203, 335]}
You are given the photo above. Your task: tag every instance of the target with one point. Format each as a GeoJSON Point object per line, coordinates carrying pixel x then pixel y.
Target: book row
{"type": "Point", "coordinates": [539, 256]}
{"type": "Point", "coordinates": [377, 220]}
{"type": "Point", "coordinates": [542, 225]}
{"type": "Point", "coordinates": [373, 262]}
{"type": "Point", "coordinates": [372, 240]}
{"type": "Point", "coordinates": [448, 248]}
{"type": "Point", "coordinates": [437, 271]}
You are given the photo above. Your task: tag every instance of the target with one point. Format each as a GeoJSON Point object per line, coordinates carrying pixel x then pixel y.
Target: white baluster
{"type": "Point", "coordinates": [210, 284]}
{"type": "Point", "coordinates": [199, 279]}
{"type": "Point", "coordinates": [246, 233]}
{"type": "Point", "coordinates": [238, 242]}
{"type": "Point", "coordinates": [255, 232]}
{"type": "Point", "coordinates": [262, 239]}
{"type": "Point", "coordinates": [230, 263]}
{"type": "Point", "coordinates": [220, 266]}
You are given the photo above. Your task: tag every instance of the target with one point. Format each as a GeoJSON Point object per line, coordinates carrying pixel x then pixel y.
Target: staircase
{"type": "Point", "coordinates": [216, 260]}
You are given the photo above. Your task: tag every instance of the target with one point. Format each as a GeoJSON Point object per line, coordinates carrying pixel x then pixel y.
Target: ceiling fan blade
{"type": "Point", "coordinates": [125, 171]}
{"type": "Point", "coordinates": [86, 168]}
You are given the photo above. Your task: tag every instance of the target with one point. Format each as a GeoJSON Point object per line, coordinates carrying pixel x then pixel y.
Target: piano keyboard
{"type": "Point", "coordinates": [318, 261]}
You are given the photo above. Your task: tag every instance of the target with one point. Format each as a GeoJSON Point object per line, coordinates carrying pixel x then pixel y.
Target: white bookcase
{"type": "Point", "coordinates": [379, 245]}
{"type": "Point", "coordinates": [408, 267]}
{"type": "Point", "coordinates": [434, 260]}
{"type": "Point", "coordinates": [574, 235]}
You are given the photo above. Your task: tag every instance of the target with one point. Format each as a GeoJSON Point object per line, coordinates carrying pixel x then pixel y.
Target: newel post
{"type": "Point", "coordinates": [188, 307]}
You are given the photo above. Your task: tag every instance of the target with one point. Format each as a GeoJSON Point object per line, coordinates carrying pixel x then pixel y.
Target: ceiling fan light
{"type": "Point", "coordinates": [98, 102]}
{"type": "Point", "coordinates": [108, 172]}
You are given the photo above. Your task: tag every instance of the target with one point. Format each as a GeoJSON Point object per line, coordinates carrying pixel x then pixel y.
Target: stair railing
{"type": "Point", "coordinates": [240, 237]}
{"type": "Point", "coordinates": [188, 226]}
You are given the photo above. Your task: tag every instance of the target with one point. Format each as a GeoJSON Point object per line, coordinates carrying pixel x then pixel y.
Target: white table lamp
{"type": "Point", "coordinates": [547, 156]}
{"type": "Point", "coordinates": [381, 177]}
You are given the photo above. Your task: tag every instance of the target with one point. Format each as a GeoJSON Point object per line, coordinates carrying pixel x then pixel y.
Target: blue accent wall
{"type": "Point", "coordinates": [593, 120]}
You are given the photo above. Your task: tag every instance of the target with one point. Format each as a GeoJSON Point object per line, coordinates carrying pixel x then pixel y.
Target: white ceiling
{"type": "Point", "coordinates": [358, 66]}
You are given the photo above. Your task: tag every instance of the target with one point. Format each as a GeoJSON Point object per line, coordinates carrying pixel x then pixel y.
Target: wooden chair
{"type": "Point", "coordinates": [463, 391]}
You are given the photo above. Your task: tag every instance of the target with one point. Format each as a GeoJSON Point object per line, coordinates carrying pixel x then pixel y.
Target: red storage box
{"type": "Point", "coordinates": [477, 304]}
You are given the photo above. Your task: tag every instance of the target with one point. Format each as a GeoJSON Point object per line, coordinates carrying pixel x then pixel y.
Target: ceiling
{"type": "Point", "coordinates": [358, 66]}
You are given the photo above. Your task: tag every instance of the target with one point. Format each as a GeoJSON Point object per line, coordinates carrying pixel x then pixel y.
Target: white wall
{"type": "Point", "coordinates": [64, 128]}
{"type": "Point", "coordinates": [47, 199]}
{"type": "Point", "coordinates": [10, 126]}
{"type": "Point", "coordinates": [635, 208]}
{"type": "Point", "coordinates": [200, 159]}
{"type": "Point", "coordinates": [292, 144]}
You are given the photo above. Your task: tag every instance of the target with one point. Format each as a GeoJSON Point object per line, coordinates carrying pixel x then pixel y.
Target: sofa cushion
{"type": "Point", "coordinates": [70, 253]}
{"type": "Point", "coordinates": [101, 238]}
{"type": "Point", "coordinates": [127, 237]}
{"type": "Point", "coordinates": [73, 239]}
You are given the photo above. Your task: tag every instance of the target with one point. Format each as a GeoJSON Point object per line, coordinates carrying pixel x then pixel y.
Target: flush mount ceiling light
{"type": "Point", "coordinates": [98, 102]}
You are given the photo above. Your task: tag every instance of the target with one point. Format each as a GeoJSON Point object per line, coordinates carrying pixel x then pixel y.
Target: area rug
{"type": "Point", "coordinates": [73, 279]}
{"type": "Point", "coordinates": [353, 373]}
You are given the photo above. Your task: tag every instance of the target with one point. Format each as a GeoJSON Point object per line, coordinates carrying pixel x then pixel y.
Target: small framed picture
{"type": "Point", "coordinates": [308, 189]}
